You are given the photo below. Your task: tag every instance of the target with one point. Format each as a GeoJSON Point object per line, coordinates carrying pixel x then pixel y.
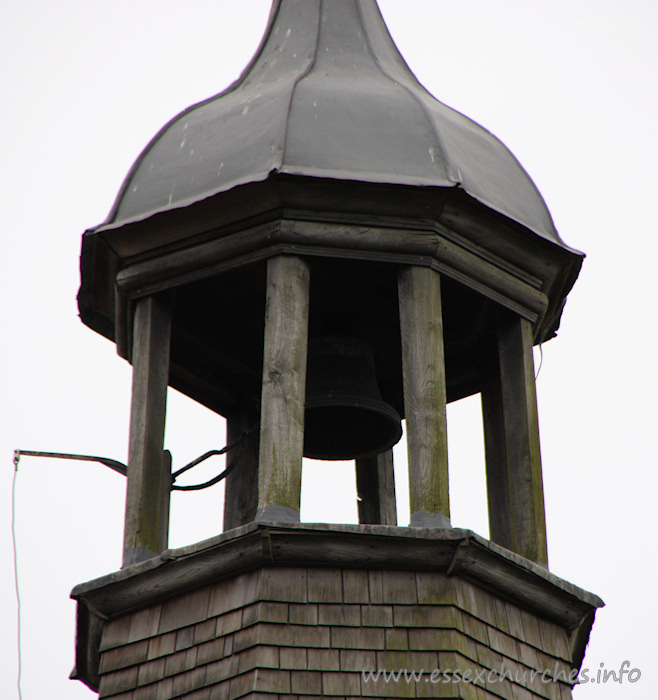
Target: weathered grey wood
{"type": "Point", "coordinates": [375, 487]}
{"type": "Point", "coordinates": [486, 273]}
{"type": "Point", "coordinates": [166, 500]}
{"type": "Point", "coordinates": [498, 489]}
{"type": "Point", "coordinates": [423, 375]}
{"type": "Point", "coordinates": [514, 478]}
{"type": "Point", "coordinates": [488, 566]}
{"type": "Point", "coordinates": [283, 394]}
{"type": "Point", "coordinates": [145, 511]}
{"type": "Point", "coordinates": [241, 494]}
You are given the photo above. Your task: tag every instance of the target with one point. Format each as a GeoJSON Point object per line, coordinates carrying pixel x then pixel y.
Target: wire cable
{"type": "Point", "coordinates": [239, 443]}
{"type": "Point", "coordinates": [541, 360]}
{"type": "Point", "coordinates": [18, 595]}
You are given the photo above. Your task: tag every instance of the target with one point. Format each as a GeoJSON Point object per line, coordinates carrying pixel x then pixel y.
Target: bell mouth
{"type": "Point", "coordinates": [345, 427]}
{"type": "Point", "coordinates": [345, 416]}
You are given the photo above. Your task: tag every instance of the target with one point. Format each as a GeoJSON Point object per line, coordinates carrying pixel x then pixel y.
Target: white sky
{"type": "Point", "coordinates": [569, 86]}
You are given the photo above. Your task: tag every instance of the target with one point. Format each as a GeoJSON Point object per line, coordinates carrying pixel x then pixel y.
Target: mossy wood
{"type": "Point", "coordinates": [149, 471]}
{"type": "Point", "coordinates": [284, 382]}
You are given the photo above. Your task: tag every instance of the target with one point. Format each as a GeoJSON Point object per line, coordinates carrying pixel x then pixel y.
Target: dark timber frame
{"type": "Point", "coordinates": [149, 468]}
{"type": "Point", "coordinates": [511, 427]}
{"type": "Point", "coordinates": [266, 481]}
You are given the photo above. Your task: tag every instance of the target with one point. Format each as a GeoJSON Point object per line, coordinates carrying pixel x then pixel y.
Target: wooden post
{"type": "Point", "coordinates": [375, 487]}
{"type": "Point", "coordinates": [165, 495]}
{"type": "Point", "coordinates": [423, 375]}
{"type": "Point", "coordinates": [283, 394]}
{"type": "Point", "coordinates": [241, 494]}
{"type": "Point", "coordinates": [514, 477]}
{"type": "Point", "coordinates": [148, 479]}
{"type": "Point", "coordinates": [498, 489]}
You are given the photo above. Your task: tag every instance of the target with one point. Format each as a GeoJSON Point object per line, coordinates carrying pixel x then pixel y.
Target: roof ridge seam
{"type": "Point", "coordinates": [410, 92]}
{"type": "Point", "coordinates": [298, 80]}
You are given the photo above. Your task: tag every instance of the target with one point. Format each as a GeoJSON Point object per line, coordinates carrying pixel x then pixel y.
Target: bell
{"type": "Point", "coordinates": [345, 416]}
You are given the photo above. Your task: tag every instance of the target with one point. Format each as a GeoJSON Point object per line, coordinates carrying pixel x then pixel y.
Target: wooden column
{"type": "Point", "coordinates": [283, 393]}
{"type": "Point", "coordinates": [241, 495]}
{"type": "Point", "coordinates": [375, 487]}
{"type": "Point", "coordinates": [511, 427]}
{"type": "Point", "coordinates": [423, 373]}
{"type": "Point", "coordinates": [147, 495]}
{"type": "Point", "coordinates": [495, 447]}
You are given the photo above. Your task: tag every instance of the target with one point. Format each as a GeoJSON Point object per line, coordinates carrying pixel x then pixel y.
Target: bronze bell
{"type": "Point", "coordinates": [346, 416]}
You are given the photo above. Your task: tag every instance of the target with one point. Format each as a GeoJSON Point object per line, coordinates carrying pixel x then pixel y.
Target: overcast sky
{"type": "Point", "coordinates": [569, 87]}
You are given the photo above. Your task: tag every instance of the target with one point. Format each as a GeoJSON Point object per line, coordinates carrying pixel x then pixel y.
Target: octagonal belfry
{"type": "Point", "coordinates": [317, 253]}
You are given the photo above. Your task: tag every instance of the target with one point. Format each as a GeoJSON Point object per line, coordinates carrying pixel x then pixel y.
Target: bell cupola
{"type": "Point", "coordinates": [317, 253]}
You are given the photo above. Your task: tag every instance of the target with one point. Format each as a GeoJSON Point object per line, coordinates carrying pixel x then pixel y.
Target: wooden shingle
{"type": "Point", "coordinates": [325, 586]}
{"type": "Point", "coordinates": [233, 594]}
{"type": "Point", "coordinates": [228, 622]}
{"type": "Point", "coordinates": [355, 586]}
{"type": "Point", "coordinates": [357, 638]}
{"type": "Point", "coordinates": [220, 691]}
{"type": "Point", "coordinates": [284, 585]}
{"type": "Point", "coordinates": [184, 638]}
{"type": "Point", "coordinates": [272, 680]}
{"type": "Point", "coordinates": [554, 639]}
{"type": "Point", "coordinates": [185, 610]}
{"type": "Point", "coordinates": [500, 613]}
{"type": "Point", "coordinates": [377, 615]}
{"type": "Point", "coordinates": [293, 658]}
{"type": "Point", "coordinates": [258, 657]}
{"type": "Point", "coordinates": [435, 589]}
{"type": "Point", "coordinates": [306, 682]}
{"type": "Point", "coordinates": [164, 689]}
{"type": "Point", "coordinates": [341, 684]}
{"type": "Point", "coordinates": [119, 681]}
{"type": "Point", "coordinates": [503, 643]}
{"type": "Point", "coordinates": [144, 623]}
{"type": "Point", "coordinates": [375, 586]}
{"type": "Point", "coordinates": [399, 587]}
{"type": "Point", "coordinates": [265, 611]}
{"type": "Point", "coordinates": [349, 615]}
{"type": "Point", "coordinates": [397, 638]}
{"type": "Point", "coordinates": [449, 691]}
{"type": "Point", "coordinates": [474, 628]}
{"type": "Point", "coordinates": [189, 681]}
{"type": "Point", "coordinates": [531, 635]}
{"type": "Point", "coordinates": [123, 656]}
{"type": "Point", "coordinates": [201, 694]}
{"type": "Point", "coordinates": [204, 631]}
{"type": "Point", "coordinates": [212, 650]}
{"type": "Point", "coordinates": [115, 633]}
{"type": "Point", "coordinates": [425, 661]}
{"type": "Point", "coordinates": [442, 616]}
{"type": "Point", "coordinates": [219, 671]}
{"type": "Point", "coordinates": [305, 614]}
{"type": "Point", "coordinates": [162, 645]}
{"type": "Point", "coordinates": [323, 659]}
{"type": "Point", "coordinates": [357, 660]}
{"type": "Point", "coordinates": [151, 672]}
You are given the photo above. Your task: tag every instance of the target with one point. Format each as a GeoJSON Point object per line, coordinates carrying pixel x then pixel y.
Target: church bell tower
{"type": "Point", "coordinates": [317, 253]}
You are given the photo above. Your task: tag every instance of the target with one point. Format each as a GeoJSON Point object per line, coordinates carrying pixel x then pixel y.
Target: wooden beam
{"type": "Point", "coordinates": [375, 487]}
{"type": "Point", "coordinates": [514, 477]}
{"type": "Point", "coordinates": [423, 375]}
{"type": "Point", "coordinates": [241, 494]}
{"type": "Point", "coordinates": [165, 495]}
{"type": "Point", "coordinates": [148, 480]}
{"type": "Point", "coordinates": [495, 447]}
{"type": "Point", "coordinates": [283, 394]}
{"type": "Point", "coordinates": [488, 274]}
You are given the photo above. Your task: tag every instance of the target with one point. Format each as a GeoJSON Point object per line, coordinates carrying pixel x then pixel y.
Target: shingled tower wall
{"type": "Point", "coordinates": [470, 628]}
